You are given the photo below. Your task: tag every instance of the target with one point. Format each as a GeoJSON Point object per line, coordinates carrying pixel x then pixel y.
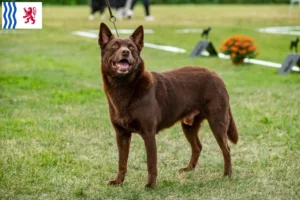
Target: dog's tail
{"type": "Point", "coordinates": [232, 132]}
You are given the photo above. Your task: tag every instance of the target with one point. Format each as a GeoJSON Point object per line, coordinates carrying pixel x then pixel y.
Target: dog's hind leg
{"type": "Point", "coordinates": [219, 124]}
{"type": "Point", "coordinates": [191, 133]}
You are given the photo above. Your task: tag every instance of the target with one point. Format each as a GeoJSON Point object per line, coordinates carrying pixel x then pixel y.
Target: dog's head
{"type": "Point", "coordinates": [120, 57]}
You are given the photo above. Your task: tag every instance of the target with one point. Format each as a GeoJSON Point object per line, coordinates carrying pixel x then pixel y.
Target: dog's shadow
{"type": "Point", "coordinates": [195, 184]}
{"type": "Point", "coordinates": [186, 183]}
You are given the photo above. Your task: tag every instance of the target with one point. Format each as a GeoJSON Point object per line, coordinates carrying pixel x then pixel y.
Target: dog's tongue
{"type": "Point", "coordinates": [123, 65]}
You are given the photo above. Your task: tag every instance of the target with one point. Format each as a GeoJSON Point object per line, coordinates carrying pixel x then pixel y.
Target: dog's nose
{"type": "Point", "coordinates": [125, 52]}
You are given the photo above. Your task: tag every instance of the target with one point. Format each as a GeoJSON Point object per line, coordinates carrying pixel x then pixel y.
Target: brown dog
{"type": "Point", "coordinates": [147, 102]}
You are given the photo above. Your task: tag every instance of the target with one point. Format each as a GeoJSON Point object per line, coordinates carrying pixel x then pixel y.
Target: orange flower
{"type": "Point", "coordinates": [237, 44]}
{"type": "Point", "coordinates": [234, 49]}
{"type": "Point", "coordinates": [223, 48]}
{"type": "Point", "coordinates": [232, 55]}
{"type": "Point", "coordinates": [243, 52]}
{"type": "Point", "coordinates": [252, 48]}
{"type": "Point", "coordinates": [225, 42]}
{"type": "Point", "coordinates": [246, 44]}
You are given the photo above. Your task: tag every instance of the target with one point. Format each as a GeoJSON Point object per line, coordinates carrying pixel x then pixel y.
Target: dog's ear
{"type": "Point", "coordinates": [138, 37]}
{"type": "Point", "coordinates": [104, 35]}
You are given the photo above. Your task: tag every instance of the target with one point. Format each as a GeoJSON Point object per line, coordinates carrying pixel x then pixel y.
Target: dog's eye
{"type": "Point", "coordinates": [131, 47]}
{"type": "Point", "coordinates": [115, 46]}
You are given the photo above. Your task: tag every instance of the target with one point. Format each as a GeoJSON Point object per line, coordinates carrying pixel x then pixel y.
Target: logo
{"type": "Point", "coordinates": [30, 14]}
{"type": "Point", "coordinates": [21, 15]}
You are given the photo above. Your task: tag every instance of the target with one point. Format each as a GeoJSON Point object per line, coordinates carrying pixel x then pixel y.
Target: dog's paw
{"type": "Point", "coordinates": [228, 174]}
{"type": "Point", "coordinates": [186, 169]}
{"type": "Point", "coordinates": [115, 182]}
{"type": "Point", "coordinates": [150, 186]}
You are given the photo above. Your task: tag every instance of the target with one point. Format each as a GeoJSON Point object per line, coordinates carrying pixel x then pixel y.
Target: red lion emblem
{"type": "Point", "coordinates": [30, 14]}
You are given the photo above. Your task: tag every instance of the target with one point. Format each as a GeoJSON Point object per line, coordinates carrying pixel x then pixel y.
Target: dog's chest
{"type": "Point", "coordinates": [129, 124]}
{"type": "Point", "coordinates": [122, 116]}
{"type": "Point", "coordinates": [125, 121]}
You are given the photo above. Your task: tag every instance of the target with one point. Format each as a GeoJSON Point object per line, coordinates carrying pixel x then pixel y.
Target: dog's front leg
{"type": "Point", "coordinates": [123, 142]}
{"type": "Point", "coordinates": [150, 144]}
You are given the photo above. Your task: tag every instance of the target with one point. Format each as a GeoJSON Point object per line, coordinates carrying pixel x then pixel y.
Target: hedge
{"type": "Point", "coordinates": [78, 2]}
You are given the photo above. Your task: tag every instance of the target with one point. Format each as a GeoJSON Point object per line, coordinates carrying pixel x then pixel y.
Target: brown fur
{"type": "Point", "coordinates": [146, 102]}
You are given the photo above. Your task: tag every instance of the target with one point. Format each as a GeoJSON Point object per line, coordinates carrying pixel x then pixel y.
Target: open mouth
{"type": "Point", "coordinates": [122, 66]}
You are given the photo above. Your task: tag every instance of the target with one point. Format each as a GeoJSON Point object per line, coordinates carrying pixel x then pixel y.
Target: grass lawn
{"type": "Point", "coordinates": [56, 140]}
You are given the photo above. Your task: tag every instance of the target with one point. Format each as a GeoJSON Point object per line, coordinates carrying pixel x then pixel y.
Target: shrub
{"type": "Point", "coordinates": [239, 47]}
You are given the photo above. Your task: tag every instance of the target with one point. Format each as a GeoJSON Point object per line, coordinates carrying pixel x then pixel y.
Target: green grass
{"type": "Point", "coordinates": [56, 140]}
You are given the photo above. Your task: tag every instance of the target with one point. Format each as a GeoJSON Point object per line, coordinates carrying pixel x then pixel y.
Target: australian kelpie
{"type": "Point", "coordinates": [146, 102]}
